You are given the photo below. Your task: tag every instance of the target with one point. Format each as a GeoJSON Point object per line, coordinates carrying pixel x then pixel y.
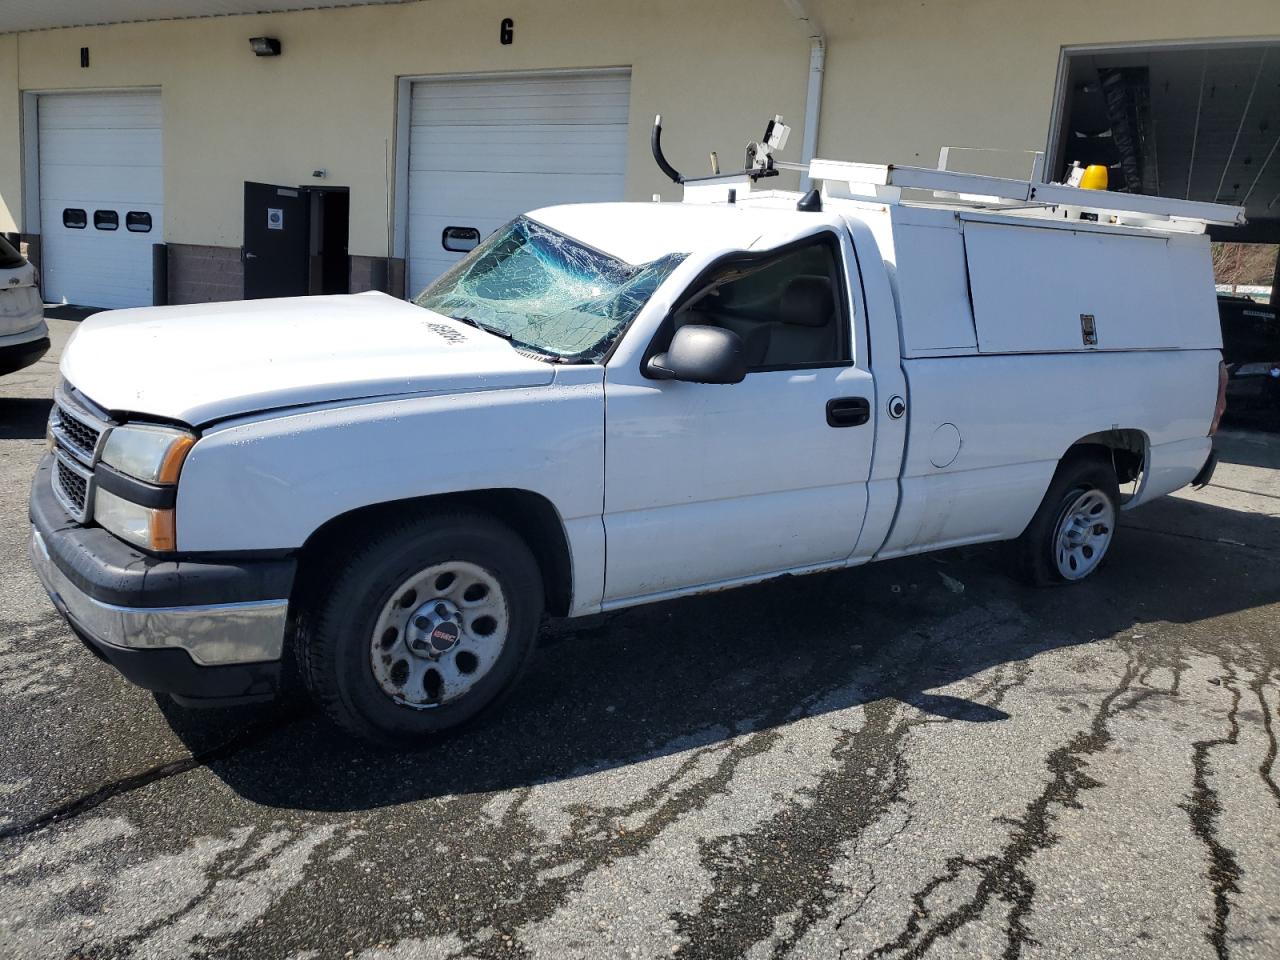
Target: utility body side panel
{"type": "Point", "coordinates": [986, 433]}
{"type": "Point", "coordinates": [1032, 287]}
{"type": "Point", "coordinates": [268, 483]}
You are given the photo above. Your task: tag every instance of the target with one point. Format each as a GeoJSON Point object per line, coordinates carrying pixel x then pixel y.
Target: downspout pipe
{"type": "Point", "coordinates": [813, 95]}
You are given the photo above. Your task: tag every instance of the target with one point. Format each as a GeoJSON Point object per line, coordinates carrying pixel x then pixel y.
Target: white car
{"type": "Point", "coordinates": [611, 404]}
{"type": "Point", "coordinates": [24, 336]}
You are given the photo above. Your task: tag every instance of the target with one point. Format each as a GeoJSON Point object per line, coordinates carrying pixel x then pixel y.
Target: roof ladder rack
{"type": "Point", "coordinates": [872, 181]}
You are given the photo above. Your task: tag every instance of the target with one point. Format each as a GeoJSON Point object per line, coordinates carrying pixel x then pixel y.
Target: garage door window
{"type": "Point", "coordinates": [137, 221]}
{"type": "Point", "coordinates": [106, 220]}
{"type": "Point", "coordinates": [74, 218]}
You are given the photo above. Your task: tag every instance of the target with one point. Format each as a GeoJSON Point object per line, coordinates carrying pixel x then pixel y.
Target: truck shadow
{"type": "Point", "coordinates": [24, 418]}
{"type": "Point", "coordinates": [671, 677]}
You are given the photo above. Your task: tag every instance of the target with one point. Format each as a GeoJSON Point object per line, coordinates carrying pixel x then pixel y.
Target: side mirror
{"type": "Point", "coordinates": [700, 354]}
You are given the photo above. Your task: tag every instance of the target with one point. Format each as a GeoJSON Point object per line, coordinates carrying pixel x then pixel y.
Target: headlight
{"type": "Point", "coordinates": [144, 526]}
{"type": "Point", "coordinates": [151, 454]}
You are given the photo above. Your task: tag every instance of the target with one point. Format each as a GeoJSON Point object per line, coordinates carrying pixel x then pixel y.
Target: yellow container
{"type": "Point", "coordinates": [1095, 177]}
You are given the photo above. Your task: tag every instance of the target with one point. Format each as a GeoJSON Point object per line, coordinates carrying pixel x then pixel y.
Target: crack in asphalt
{"type": "Point", "coordinates": [1268, 762]}
{"type": "Point", "coordinates": [1204, 808]}
{"type": "Point", "coordinates": [787, 863]}
{"type": "Point", "coordinates": [136, 781]}
{"type": "Point", "coordinates": [792, 858]}
{"type": "Point", "coordinates": [1003, 876]}
{"type": "Point", "coordinates": [1216, 541]}
{"type": "Point", "coordinates": [532, 880]}
{"type": "Point", "coordinates": [1252, 493]}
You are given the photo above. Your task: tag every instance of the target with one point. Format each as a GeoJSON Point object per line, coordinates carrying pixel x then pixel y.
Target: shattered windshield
{"type": "Point", "coordinates": [546, 291]}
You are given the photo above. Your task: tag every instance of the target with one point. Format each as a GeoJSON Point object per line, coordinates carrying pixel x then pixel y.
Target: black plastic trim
{"type": "Point", "coordinates": [1206, 472]}
{"type": "Point", "coordinates": [111, 571]}
{"type": "Point", "coordinates": [129, 488]}
{"type": "Point", "coordinates": [21, 355]}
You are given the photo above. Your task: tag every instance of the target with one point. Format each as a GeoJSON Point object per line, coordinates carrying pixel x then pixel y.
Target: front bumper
{"type": "Point", "coordinates": [201, 631]}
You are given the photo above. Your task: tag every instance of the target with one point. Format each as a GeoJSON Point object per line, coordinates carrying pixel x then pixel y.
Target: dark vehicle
{"type": "Point", "coordinates": [1251, 351]}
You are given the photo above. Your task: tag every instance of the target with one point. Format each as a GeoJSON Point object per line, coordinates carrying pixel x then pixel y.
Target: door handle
{"type": "Point", "coordinates": [848, 411]}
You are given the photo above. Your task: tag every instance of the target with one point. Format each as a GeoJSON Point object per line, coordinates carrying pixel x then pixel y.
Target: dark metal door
{"type": "Point", "coordinates": [277, 241]}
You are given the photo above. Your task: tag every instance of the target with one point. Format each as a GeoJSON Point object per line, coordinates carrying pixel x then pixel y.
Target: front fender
{"type": "Point", "coordinates": [270, 482]}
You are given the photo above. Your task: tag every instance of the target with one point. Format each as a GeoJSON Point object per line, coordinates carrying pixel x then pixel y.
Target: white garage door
{"type": "Point", "coordinates": [482, 151]}
{"type": "Point", "coordinates": [101, 196]}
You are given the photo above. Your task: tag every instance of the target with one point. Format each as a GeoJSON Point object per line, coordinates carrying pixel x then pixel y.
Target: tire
{"type": "Point", "coordinates": [380, 687]}
{"type": "Point", "coordinates": [1060, 545]}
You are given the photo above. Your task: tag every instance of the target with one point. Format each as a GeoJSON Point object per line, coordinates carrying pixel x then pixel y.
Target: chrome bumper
{"type": "Point", "coordinates": [212, 634]}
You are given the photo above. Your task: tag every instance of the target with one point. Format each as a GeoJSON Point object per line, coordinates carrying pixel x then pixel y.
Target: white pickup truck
{"type": "Point", "coordinates": [610, 404]}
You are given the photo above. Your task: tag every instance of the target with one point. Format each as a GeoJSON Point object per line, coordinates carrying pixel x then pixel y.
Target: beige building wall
{"type": "Point", "coordinates": [329, 100]}
{"type": "Point", "coordinates": [10, 136]}
{"type": "Point", "coordinates": [902, 80]}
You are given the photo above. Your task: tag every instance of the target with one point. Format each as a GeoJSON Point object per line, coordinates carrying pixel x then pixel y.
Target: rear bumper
{"type": "Point", "coordinates": [210, 631]}
{"type": "Point", "coordinates": [1203, 478]}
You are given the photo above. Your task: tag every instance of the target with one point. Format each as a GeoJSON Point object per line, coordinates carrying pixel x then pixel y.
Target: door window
{"type": "Point", "coordinates": [788, 309]}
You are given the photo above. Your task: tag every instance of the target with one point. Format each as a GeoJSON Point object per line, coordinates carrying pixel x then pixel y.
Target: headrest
{"type": "Point", "coordinates": [807, 302]}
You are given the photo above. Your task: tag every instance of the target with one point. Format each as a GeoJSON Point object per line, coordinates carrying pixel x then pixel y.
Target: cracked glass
{"type": "Point", "coordinates": [546, 292]}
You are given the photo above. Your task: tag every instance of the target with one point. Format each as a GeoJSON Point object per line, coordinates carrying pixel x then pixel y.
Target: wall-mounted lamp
{"type": "Point", "coordinates": [265, 46]}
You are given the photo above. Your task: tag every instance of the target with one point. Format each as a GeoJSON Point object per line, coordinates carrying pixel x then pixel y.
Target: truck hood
{"type": "Point", "coordinates": [197, 364]}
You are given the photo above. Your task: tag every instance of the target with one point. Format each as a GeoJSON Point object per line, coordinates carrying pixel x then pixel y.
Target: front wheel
{"type": "Point", "coordinates": [1071, 532]}
{"type": "Point", "coordinates": [423, 627]}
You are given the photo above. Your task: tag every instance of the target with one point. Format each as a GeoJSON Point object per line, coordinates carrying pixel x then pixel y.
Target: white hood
{"type": "Point", "coordinates": [207, 362]}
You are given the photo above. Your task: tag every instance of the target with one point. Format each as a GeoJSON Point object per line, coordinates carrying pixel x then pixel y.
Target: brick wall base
{"type": "Point", "coordinates": [362, 275]}
{"type": "Point", "coordinates": [199, 274]}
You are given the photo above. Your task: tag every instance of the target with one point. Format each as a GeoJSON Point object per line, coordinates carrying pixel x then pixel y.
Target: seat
{"type": "Point", "coordinates": [805, 331]}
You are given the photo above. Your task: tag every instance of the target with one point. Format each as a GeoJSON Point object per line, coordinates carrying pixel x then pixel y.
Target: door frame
{"type": "Point", "coordinates": [1053, 143]}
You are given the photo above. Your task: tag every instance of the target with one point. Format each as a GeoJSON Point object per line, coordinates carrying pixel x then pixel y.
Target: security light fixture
{"type": "Point", "coordinates": [265, 46]}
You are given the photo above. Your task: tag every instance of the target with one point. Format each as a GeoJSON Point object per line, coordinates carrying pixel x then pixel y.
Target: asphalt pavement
{"type": "Point", "coordinates": [916, 758]}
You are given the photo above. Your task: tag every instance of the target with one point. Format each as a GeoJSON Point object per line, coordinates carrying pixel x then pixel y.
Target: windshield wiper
{"type": "Point", "coordinates": [510, 338]}
{"type": "Point", "coordinates": [473, 322]}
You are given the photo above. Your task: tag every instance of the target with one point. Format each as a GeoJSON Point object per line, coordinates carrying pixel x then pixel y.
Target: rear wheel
{"type": "Point", "coordinates": [422, 628]}
{"type": "Point", "coordinates": [1072, 531]}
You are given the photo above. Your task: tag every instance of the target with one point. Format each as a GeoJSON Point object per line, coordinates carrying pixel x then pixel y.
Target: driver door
{"type": "Point", "coordinates": [715, 484]}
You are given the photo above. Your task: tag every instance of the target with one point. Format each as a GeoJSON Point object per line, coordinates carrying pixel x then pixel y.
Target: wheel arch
{"type": "Point", "coordinates": [530, 515]}
{"type": "Point", "coordinates": [1124, 448]}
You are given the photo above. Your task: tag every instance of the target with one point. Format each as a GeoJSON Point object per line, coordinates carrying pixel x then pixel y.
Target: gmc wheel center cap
{"type": "Point", "coordinates": [444, 636]}
{"type": "Point", "coordinates": [434, 629]}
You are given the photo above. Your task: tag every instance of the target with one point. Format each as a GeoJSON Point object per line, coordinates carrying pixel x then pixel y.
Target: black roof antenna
{"type": "Point", "coordinates": [811, 202]}
{"type": "Point", "coordinates": [655, 145]}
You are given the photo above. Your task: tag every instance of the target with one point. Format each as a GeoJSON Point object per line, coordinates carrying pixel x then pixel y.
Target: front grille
{"type": "Point", "coordinates": [73, 489]}
{"type": "Point", "coordinates": [77, 433]}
